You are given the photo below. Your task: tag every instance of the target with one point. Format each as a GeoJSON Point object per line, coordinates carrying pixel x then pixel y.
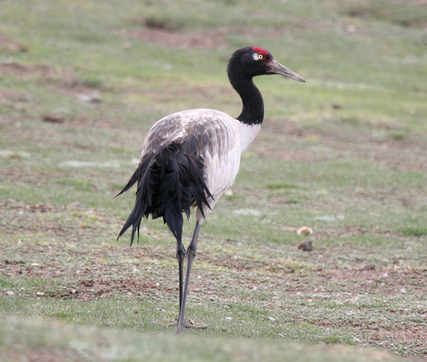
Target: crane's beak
{"type": "Point", "coordinates": [276, 68]}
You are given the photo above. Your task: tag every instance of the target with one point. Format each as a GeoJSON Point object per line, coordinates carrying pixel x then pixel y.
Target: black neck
{"type": "Point", "coordinates": [253, 105]}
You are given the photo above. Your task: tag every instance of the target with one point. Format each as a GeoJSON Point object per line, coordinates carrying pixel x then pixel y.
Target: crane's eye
{"type": "Point", "coordinates": [257, 56]}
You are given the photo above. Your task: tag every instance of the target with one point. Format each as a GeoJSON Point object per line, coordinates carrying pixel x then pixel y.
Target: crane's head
{"type": "Point", "coordinates": [253, 61]}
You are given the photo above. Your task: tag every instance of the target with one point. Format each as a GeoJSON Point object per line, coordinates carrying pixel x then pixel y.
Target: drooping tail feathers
{"type": "Point", "coordinates": [169, 182]}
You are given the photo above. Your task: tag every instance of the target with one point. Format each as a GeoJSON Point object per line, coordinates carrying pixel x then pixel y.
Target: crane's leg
{"type": "Point", "coordinates": [180, 255]}
{"type": "Point", "coordinates": [191, 254]}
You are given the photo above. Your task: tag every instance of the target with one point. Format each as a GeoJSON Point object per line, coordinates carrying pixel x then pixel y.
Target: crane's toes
{"type": "Point", "coordinates": [189, 324]}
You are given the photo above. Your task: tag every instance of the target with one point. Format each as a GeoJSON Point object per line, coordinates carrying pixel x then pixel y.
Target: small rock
{"type": "Point", "coordinates": [351, 28]}
{"type": "Point", "coordinates": [53, 118]}
{"type": "Point", "coordinates": [75, 205]}
{"type": "Point", "coordinates": [249, 212]}
{"type": "Point", "coordinates": [369, 267]}
{"type": "Point", "coordinates": [306, 246]}
{"type": "Point", "coordinates": [93, 97]}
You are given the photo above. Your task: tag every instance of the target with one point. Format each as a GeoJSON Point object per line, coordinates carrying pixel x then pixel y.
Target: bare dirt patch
{"type": "Point", "coordinates": [65, 254]}
{"type": "Point", "coordinates": [89, 289]}
{"type": "Point", "coordinates": [96, 122]}
{"type": "Point", "coordinates": [381, 280]}
{"type": "Point", "coordinates": [392, 14]}
{"type": "Point", "coordinates": [26, 218]}
{"type": "Point", "coordinates": [64, 80]}
{"type": "Point", "coordinates": [204, 39]}
{"type": "Point", "coordinates": [94, 277]}
{"type": "Point", "coordinates": [11, 46]}
{"type": "Point", "coordinates": [20, 175]}
{"type": "Point", "coordinates": [20, 69]}
{"type": "Point", "coordinates": [412, 337]}
{"type": "Point", "coordinates": [375, 333]}
{"type": "Point", "coordinates": [216, 38]}
{"type": "Point", "coordinates": [12, 95]}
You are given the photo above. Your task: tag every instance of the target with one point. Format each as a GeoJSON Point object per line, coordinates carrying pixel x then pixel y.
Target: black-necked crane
{"type": "Point", "coordinates": [190, 158]}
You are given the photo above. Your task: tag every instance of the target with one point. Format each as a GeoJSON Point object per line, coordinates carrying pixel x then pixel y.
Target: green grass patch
{"type": "Point", "coordinates": [84, 342]}
{"type": "Point", "coordinates": [92, 82]}
{"type": "Point", "coordinates": [78, 185]}
{"type": "Point", "coordinates": [414, 231]}
{"type": "Point", "coordinates": [282, 186]}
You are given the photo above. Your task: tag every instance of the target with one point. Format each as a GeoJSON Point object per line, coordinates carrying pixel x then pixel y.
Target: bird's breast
{"type": "Point", "coordinates": [247, 134]}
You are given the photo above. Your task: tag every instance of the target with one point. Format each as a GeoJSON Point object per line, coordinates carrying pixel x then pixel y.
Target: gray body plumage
{"type": "Point", "coordinates": [220, 140]}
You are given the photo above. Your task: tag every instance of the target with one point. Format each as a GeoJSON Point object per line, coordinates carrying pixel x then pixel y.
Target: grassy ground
{"type": "Point", "coordinates": [345, 154]}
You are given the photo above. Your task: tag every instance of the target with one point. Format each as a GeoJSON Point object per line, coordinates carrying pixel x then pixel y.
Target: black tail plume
{"type": "Point", "coordinates": [169, 182]}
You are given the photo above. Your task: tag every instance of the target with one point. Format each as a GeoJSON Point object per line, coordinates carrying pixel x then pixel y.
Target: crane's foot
{"type": "Point", "coordinates": [190, 324]}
